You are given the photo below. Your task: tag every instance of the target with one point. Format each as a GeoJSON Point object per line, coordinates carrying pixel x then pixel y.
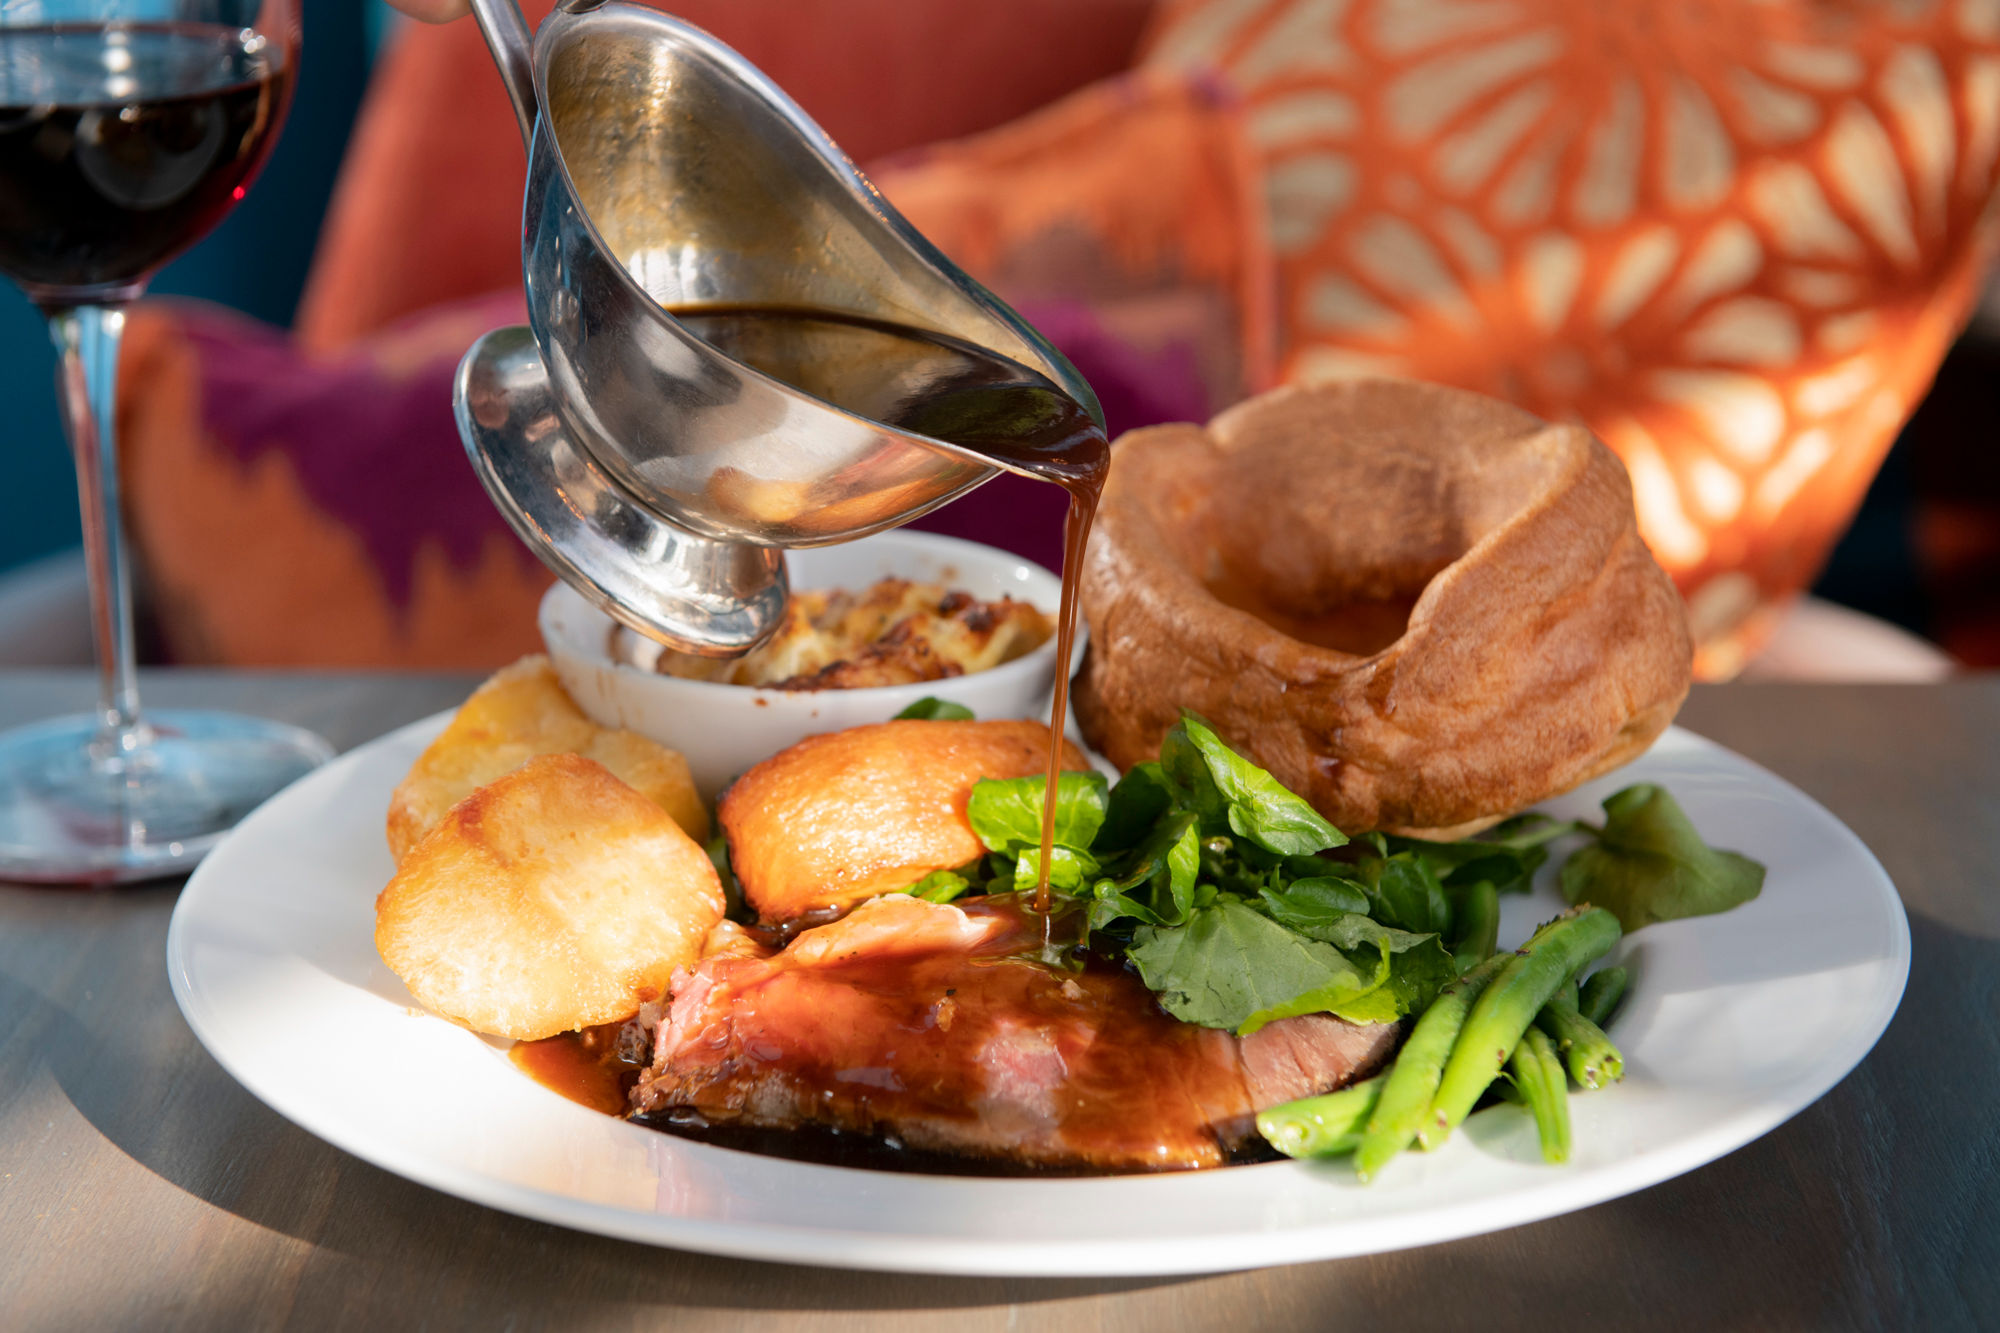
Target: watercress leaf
{"type": "Point", "coordinates": [1650, 865]}
{"type": "Point", "coordinates": [1109, 907]}
{"type": "Point", "coordinates": [1308, 905]}
{"type": "Point", "coordinates": [1121, 913]}
{"type": "Point", "coordinates": [1185, 769]}
{"type": "Point", "coordinates": [1218, 858]}
{"type": "Point", "coordinates": [940, 886]}
{"type": "Point", "coordinates": [994, 872]}
{"type": "Point", "coordinates": [1006, 813]}
{"type": "Point", "coordinates": [1532, 830]}
{"type": "Point", "coordinates": [1418, 963]}
{"type": "Point", "coordinates": [1137, 803]}
{"type": "Point", "coordinates": [1419, 967]}
{"type": "Point", "coordinates": [1404, 892]}
{"type": "Point", "coordinates": [1154, 883]}
{"type": "Point", "coordinates": [1139, 865]}
{"type": "Point", "coordinates": [1258, 805]}
{"type": "Point", "coordinates": [1315, 867]}
{"type": "Point", "coordinates": [1511, 871]}
{"type": "Point", "coordinates": [1183, 869]}
{"type": "Point", "coordinates": [1377, 1004]}
{"type": "Point", "coordinates": [1360, 996]}
{"type": "Point", "coordinates": [1457, 863]}
{"type": "Point", "coordinates": [1238, 865]}
{"type": "Point", "coordinates": [930, 708]}
{"type": "Point", "coordinates": [733, 905]}
{"type": "Point", "coordinates": [1069, 869]}
{"type": "Point", "coordinates": [1231, 967]}
{"type": "Point", "coordinates": [1354, 930]}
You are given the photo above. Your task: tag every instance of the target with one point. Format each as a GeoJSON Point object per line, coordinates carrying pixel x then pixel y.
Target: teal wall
{"type": "Point", "coordinates": [255, 261]}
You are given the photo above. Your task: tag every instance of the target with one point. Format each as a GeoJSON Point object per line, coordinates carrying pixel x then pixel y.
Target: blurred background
{"type": "Point", "coordinates": [291, 465]}
{"type": "Point", "coordinates": [255, 262]}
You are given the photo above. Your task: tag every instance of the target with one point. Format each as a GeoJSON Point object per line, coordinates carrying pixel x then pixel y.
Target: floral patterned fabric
{"type": "Point", "coordinates": [1733, 238]}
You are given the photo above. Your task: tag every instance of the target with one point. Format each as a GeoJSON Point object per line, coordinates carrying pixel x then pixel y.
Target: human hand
{"type": "Point", "coordinates": [434, 11]}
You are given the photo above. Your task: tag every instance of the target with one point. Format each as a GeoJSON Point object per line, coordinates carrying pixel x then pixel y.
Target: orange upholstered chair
{"type": "Point", "coordinates": [1732, 236]}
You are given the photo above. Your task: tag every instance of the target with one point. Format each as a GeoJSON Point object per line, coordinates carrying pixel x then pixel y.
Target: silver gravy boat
{"type": "Point", "coordinates": [654, 472]}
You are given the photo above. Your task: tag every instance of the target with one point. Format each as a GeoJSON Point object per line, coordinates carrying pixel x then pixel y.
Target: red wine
{"type": "Point", "coordinates": [121, 145]}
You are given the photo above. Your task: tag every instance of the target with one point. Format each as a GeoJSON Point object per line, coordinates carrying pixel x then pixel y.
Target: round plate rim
{"type": "Point", "coordinates": [919, 1253]}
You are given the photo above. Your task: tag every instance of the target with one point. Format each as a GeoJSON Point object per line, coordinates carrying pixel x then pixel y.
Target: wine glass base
{"type": "Point", "coordinates": [69, 813]}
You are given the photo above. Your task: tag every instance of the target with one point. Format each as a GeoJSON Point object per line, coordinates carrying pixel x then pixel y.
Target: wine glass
{"type": "Point", "coordinates": [128, 128]}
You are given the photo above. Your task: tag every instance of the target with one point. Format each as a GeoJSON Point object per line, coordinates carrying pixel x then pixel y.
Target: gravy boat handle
{"type": "Point", "coordinates": [507, 37]}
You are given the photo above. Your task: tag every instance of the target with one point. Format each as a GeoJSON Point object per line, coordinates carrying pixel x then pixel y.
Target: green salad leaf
{"type": "Point", "coordinates": [1137, 802]}
{"type": "Point", "coordinates": [1235, 968]}
{"type": "Point", "coordinates": [1508, 868]}
{"type": "Point", "coordinates": [1403, 891]}
{"type": "Point", "coordinates": [1239, 905]}
{"type": "Point", "coordinates": [1254, 805]}
{"type": "Point", "coordinates": [1312, 905]}
{"type": "Point", "coordinates": [1069, 869]}
{"type": "Point", "coordinates": [1006, 813]}
{"type": "Point", "coordinates": [930, 708]}
{"type": "Point", "coordinates": [940, 886]}
{"type": "Point", "coordinates": [1153, 883]}
{"type": "Point", "coordinates": [1648, 864]}
{"type": "Point", "coordinates": [1419, 967]}
{"type": "Point", "coordinates": [1184, 769]}
{"type": "Point", "coordinates": [1419, 963]}
{"type": "Point", "coordinates": [733, 904]}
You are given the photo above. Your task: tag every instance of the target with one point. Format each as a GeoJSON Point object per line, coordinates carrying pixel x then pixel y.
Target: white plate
{"type": "Point", "coordinates": [1734, 1024]}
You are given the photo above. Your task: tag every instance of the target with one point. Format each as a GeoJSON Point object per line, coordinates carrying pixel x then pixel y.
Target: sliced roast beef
{"type": "Point", "coordinates": [941, 1028]}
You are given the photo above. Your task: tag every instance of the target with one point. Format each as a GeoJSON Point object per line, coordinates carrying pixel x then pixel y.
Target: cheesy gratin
{"type": "Point", "coordinates": [895, 633]}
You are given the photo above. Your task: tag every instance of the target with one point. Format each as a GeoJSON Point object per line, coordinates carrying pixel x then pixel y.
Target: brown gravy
{"type": "Point", "coordinates": [830, 1147]}
{"type": "Point", "coordinates": [582, 1066]}
{"type": "Point", "coordinates": [1121, 1051]}
{"type": "Point", "coordinates": [1024, 422]}
{"type": "Point", "coordinates": [578, 1067]}
{"type": "Point", "coordinates": [949, 390]}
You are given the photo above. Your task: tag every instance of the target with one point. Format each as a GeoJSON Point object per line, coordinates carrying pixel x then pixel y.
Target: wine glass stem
{"type": "Point", "coordinates": [86, 338]}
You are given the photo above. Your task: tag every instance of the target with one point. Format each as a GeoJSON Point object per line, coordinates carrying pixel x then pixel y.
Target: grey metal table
{"type": "Point", "coordinates": [141, 1188]}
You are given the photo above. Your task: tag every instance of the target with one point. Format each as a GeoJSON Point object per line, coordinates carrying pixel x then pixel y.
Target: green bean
{"type": "Point", "coordinates": [1476, 924]}
{"type": "Point", "coordinates": [1399, 1115]}
{"type": "Point", "coordinates": [1508, 1007]}
{"type": "Point", "coordinates": [1591, 1058]}
{"type": "Point", "coordinates": [1538, 1074]}
{"type": "Point", "coordinates": [1324, 1126]}
{"type": "Point", "coordinates": [1601, 993]}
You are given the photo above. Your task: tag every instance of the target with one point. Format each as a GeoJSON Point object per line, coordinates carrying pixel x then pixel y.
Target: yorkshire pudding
{"type": "Point", "coordinates": [1420, 608]}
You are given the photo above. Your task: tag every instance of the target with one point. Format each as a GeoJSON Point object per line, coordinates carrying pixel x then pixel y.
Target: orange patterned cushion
{"type": "Point", "coordinates": [1734, 238]}
{"type": "Point", "coordinates": [1122, 221]}
{"type": "Point", "coordinates": [1134, 197]}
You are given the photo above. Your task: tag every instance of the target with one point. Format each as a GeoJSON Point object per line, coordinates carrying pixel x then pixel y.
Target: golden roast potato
{"type": "Point", "coordinates": [520, 713]}
{"type": "Point", "coordinates": [1419, 608]}
{"type": "Point", "coordinates": [551, 899]}
{"type": "Point", "coordinates": [845, 816]}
